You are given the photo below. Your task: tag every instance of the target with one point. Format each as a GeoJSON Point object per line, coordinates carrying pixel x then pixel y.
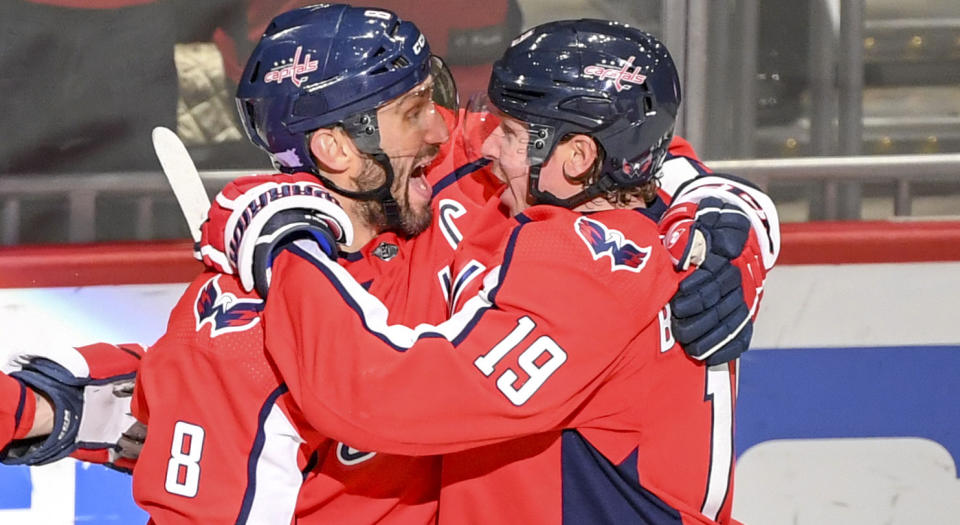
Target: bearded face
{"type": "Point", "coordinates": [410, 189]}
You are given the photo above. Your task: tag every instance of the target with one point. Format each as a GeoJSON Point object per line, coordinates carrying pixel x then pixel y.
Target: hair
{"type": "Point", "coordinates": [620, 197]}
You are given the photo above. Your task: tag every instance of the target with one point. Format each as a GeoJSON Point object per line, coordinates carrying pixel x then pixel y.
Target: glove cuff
{"type": "Point", "coordinates": [255, 208]}
{"type": "Point", "coordinates": [50, 379]}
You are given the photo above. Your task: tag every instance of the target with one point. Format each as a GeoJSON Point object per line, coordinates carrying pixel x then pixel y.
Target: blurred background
{"type": "Point", "coordinates": [778, 90]}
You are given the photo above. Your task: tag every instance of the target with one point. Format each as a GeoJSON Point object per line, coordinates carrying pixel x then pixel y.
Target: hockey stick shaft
{"type": "Point", "coordinates": [183, 177]}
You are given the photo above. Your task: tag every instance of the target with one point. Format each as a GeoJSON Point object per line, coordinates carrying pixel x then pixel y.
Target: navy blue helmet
{"type": "Point", "coordinates": [321, 65]}
{"type": "Point", "coordinates": [600, 78]}
{"type": "Point", "coordinates": [327, 65]}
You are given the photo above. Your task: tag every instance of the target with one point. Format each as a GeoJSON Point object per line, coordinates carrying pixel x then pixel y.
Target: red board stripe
{"type": "Point", "coordinates": [869, 242]}
{"type": "Point", "coordinates": [90, 264]}
{"type": "Point", "coordinates": [173, 262]}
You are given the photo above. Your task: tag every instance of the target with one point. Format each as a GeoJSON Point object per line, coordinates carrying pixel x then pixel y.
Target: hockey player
{"type": "Point", "coordinates": [555, 390]}
{"type": "Point", "coordinates": [343, 96]}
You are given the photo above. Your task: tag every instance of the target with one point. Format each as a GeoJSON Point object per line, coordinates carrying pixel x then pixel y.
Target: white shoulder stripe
{"type": "Point", "coordinates": [375, 314]}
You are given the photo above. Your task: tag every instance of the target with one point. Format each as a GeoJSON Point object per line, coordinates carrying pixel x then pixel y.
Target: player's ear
{"type": "Point", "coordinates": [333, 150]}
{"type": "Point", "coordinates": [581, 154]}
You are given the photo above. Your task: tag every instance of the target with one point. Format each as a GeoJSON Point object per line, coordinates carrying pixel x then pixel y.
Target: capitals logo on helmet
{"type": "Point", "coordinates": [619, 75]}
{"type": "Point", "coordinates": [224, 311]}
{"type": "Point", "coordinates": [606, 242]}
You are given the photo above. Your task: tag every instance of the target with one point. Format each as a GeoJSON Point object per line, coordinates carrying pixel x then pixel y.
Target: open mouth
{"type": "Point", "coordinates": [418, 180]}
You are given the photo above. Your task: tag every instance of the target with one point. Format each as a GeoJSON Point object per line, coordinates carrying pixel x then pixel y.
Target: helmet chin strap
{"type": "Point", "coordinates": [603, 185]}
{"type": "Point", "coordinates": [364, 129]}
{"type": "Point", "coordinates": [391, 208]}
{"type": "Point", "coordinates": [382, 194]}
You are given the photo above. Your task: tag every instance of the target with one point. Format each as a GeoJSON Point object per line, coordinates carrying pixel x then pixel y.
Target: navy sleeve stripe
{"type": "Point", "coordinates": [131, 352]}
{"type": "Point", "coordinates": [458, 174]}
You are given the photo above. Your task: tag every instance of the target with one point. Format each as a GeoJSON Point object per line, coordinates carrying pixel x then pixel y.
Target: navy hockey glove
{"type": "Point", "coordinates": [723, 226]}
{"type": "Point", "coordinates": [255, 217]}
{"type": "Point", "coordinates": [45, 376]}
{"type": "Point", "coordinates": [90, 389]}
{"type": "Point", "coordinates": [711, 317]}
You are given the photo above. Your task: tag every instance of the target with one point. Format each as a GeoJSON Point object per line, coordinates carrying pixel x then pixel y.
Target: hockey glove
{"type": "Point", "coordinates": [712, 310]}
{"type": "Point", "coordinates": [255, 217]}
{"type": "Point", "coordinates": [90, 388]}
{"type": "Point", "coordinates": [724, 227]}
{"type": "Point", "coordinates": [710, 317]}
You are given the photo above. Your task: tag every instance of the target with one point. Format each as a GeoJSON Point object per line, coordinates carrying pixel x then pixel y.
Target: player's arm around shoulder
{"type": "Point", "coordinates": [538, 306]}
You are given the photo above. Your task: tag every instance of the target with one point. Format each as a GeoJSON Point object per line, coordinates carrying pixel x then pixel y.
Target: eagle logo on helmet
{"type": "Point", "coordinates": [225, 312]}
{"type": "Point", "coordinates": [606, 242]}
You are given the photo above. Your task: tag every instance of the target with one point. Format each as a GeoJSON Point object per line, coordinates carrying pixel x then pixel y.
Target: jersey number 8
{"type": "Point", "coordinates": [183, 469]}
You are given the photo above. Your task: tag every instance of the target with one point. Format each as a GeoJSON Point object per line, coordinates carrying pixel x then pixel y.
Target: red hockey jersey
{"type": "Point", "coordinates": [554, 389]}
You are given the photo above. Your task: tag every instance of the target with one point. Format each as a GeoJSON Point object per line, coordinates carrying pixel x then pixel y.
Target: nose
{"type": "Point", "coordinates": [437, 131]}
{"type": "Point", "coordinates": [491, 145]}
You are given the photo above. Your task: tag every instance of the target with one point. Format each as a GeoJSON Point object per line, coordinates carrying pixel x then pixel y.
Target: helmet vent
{"type": "Point", "coordinates": [593, 108]}
{"type": "Point", "coordinates": [255, 72]}
{"type": "Point", "coordinates": [251, 111]}
{"type": "Point", "coordinates": [400, 62]}
{"type": "Point", "coordinates": [522, 95]}
{"type": "Point", "coordinates": [647, 105]}
{"type": "Point", "coordinates": [379, 52]}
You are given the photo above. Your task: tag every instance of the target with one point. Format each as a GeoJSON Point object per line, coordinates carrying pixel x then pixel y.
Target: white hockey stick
{"type": "Point", "coordinates": [183, 178]}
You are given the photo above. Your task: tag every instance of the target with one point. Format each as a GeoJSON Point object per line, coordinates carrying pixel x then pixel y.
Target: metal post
{"type": "Point", "coordinates": [695, 114]}
{"type": "Point", "coordinates": [673, 25]}
{"type": "Point", "coordinates": [851, 97]}
{"type": "Point", "coordinates": [83, 213]}
{"type": "Point", "coordinates": [823, 103]}
{"type": "Point", "coordinates": [144, 224]}
{"type": "Point", "coordinates": [11, 221]}
{"type": "Point", "coordinates": [721, 114]}
{"type": "Point", "coordinates": [902, 205]}
{"type": "Point", "coordinates": [747, 27]}
{"type": "Point", "coordinates": [822, 80]}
